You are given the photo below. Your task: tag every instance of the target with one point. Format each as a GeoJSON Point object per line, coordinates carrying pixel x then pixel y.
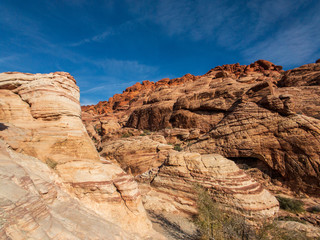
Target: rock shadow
{"type": "Point", "coordinates": [171, 229]}
{"type": "Point", "coordinates": [3, 127]}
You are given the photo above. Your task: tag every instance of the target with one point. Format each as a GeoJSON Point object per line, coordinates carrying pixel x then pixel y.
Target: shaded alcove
{"type": "Point", "coordinates": [252, 162]}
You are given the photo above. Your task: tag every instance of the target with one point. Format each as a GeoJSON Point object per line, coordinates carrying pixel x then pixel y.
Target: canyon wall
{"type": "Point", "coordinates": [254, 113]}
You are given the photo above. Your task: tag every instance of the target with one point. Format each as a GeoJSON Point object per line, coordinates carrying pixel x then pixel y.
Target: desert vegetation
{"type": "Point", "coordinates": [51, 163]}
{"type": "Point", "coordinates": [291, 205]}
{"type": "Point", "coordinates": [215, 222]}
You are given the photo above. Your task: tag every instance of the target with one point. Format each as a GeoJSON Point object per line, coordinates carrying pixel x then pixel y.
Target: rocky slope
{"type": "Point", "coordinates": [168, 178]}
{"type": "Point", "coordinates": [35, 204]}
{"type": "Point", "coordinates": [40, 121]}
{"type": "Point", "coordinates": [257, 114]}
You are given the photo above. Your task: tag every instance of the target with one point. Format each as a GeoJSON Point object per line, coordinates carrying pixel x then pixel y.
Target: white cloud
{"type": "Point", "coordinates": [86, 101]}
{"type": "Point", "coordinates": [6, 59]}
{"type": "Point", "coordinates": [117, 67]}
{"type": "Point", "coordinates": [97, 38]}
{"type": "Point", "coordinates": [196, 19]}
{"type": "Point", "coordinates": [292, 45]}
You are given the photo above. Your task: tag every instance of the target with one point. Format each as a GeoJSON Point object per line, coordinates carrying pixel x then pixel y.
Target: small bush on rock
{"type": "Point", "coordinates": [215, 222]}
{"type": "Point", "coordinates": [51, 163]}
{"type": "Point", "coordinates": [126, 135]}
{"type": "Point", "coordinates": [177, 147]}
{"type": "Point", "coordinates": [291, 205]}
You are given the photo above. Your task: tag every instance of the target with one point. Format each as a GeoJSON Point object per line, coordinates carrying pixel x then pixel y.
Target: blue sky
{"type": "Point", "coordinates": [109, 45]}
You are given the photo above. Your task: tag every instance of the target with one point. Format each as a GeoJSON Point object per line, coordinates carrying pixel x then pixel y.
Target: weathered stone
{"type": "Point", "coordinates": [172, 186]}
{"type": "Point", "coordinates": [35, 204]}
{"type": "Point", "coordinates": [168, 178]}
{"type": "Point", "coordinates": [254, 111]}
{"type": "Point", "coordinates": [40, 115]}
{"type": "Point", "coordinates": [136, 154]}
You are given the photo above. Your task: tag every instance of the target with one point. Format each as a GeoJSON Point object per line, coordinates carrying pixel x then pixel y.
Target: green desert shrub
{"type": "Point", "coordinates": [215, 222]}
{"type": "Point", "coordinates": [98, 130]}
{"type": "Point", "coordinates": [51, 163]}
{"type": "Point", "coordinates": [126, 135]}
{"type": "Point", "coordinates": [177, 147]}
{"type": "Point", "coordinates": [146, 132]}
{"type": "Point", "coordinates": [291, 205]}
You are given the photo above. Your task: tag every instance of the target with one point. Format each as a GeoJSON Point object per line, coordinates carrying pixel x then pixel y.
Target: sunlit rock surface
{"type": "Point", "coordinates": [40, 117]}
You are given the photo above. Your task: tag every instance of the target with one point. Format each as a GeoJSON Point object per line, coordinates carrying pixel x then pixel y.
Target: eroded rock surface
{"type": "Point", "coordinates": [137, 155]}
{"type": "Point", "coordinates": [256, 112]}
{"type": "Point", "coordinates": [34, 204]}
{"type": "Point", "coordinates": [168, 179]}
{"type": "Point", "coordinates": [173, 186]}
{"type": "Point", "coordinates": [40, 117]}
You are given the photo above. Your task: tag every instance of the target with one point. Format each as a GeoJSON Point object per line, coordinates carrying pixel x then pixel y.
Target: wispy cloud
{"type": "Point", "coordinates": [233, 25]}
{"type": "Point", "coordinates": [87, 101]}
{"type": "Point", "coordinates": [6, 59]}
{"type": "Point", "coordinates": [195, 19]}
{"type": "Point", "coordinates": [119, 67]}
{"type": "Point", "coordinates": [109, 86]}
{"type": "Point", "coordinates": [258, 28]}
{"type": "Point", "coordinates": [97, 38]}
{"type": "Point", "coordinates": [293, 45]}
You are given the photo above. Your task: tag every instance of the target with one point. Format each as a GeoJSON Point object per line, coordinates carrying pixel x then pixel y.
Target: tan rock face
{"type": "Point", "coordinates": [279, 129]}
{"type": "Point", "coordinates": [40, 116]}
{"type": "Point", "coordinates": [306, 75]}
{"type": "Point", "coordinates": [136, 154]}
{"type": "Point", "coordinates": [173, 186]}
{"type": "Point", "coordinates": [168, 178]}
{"type": "Point", "coordinates": [43, 113]}
{"type": "Point", "coordinates": [201, 103]}
{"type": "Point", "coordinates": [34, 204]}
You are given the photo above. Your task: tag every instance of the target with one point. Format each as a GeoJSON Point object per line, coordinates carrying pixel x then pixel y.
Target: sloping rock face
{"type": "Point", "coordinates": [35, 205]}
{"type": "Point", "coordinates": [279, 128]}
{"type": "Point", "coordinates": [255, 113]}
{"type": "Point", "coordinates": [40, 117]}
{"type": "Point", "coordinates": [136, 155]}
{"type": "Point", "coordinates": [173, 186]}
{"type": "Point", "coordinates": [202, 103]}
{"type": "Point", "coordinates": [168, 179]}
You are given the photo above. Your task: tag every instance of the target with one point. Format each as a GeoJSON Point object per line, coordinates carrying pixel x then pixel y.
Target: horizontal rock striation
{"type": "Point", "coordinates": [168, 179]}
{"type": "Point", "coordinates": [275, 128]}
{"type": "Point", "coordinates": [254, 113]}
{"type": "Point", "coordinates": [40, 117]}
{"type": "Point", "coordinates": [172, 188]}
{"type": "Point", "coordinates": [34, 204]}
{"type": "Point", "coordinates": [136, 155]}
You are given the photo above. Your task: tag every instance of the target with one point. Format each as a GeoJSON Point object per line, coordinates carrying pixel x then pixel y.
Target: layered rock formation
{"type": "Point", "coordinates": [134, 94]}
{"type": "Point", "coordinates": [40, 117]}
{"type": "Point", "coordinates": [137, 155]}
{"type": "Point", "coordinates": [168, 178]}
{"type": "Point", "coordinates": [255, 113]}
{"type": "Point", "coordinates": [34, 204]}
{"type": "Point", "coordinates": [173, 186]}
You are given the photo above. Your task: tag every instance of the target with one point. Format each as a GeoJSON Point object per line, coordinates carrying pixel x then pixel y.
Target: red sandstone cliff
{"type": "Point", "coordinates": [257, 112]}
